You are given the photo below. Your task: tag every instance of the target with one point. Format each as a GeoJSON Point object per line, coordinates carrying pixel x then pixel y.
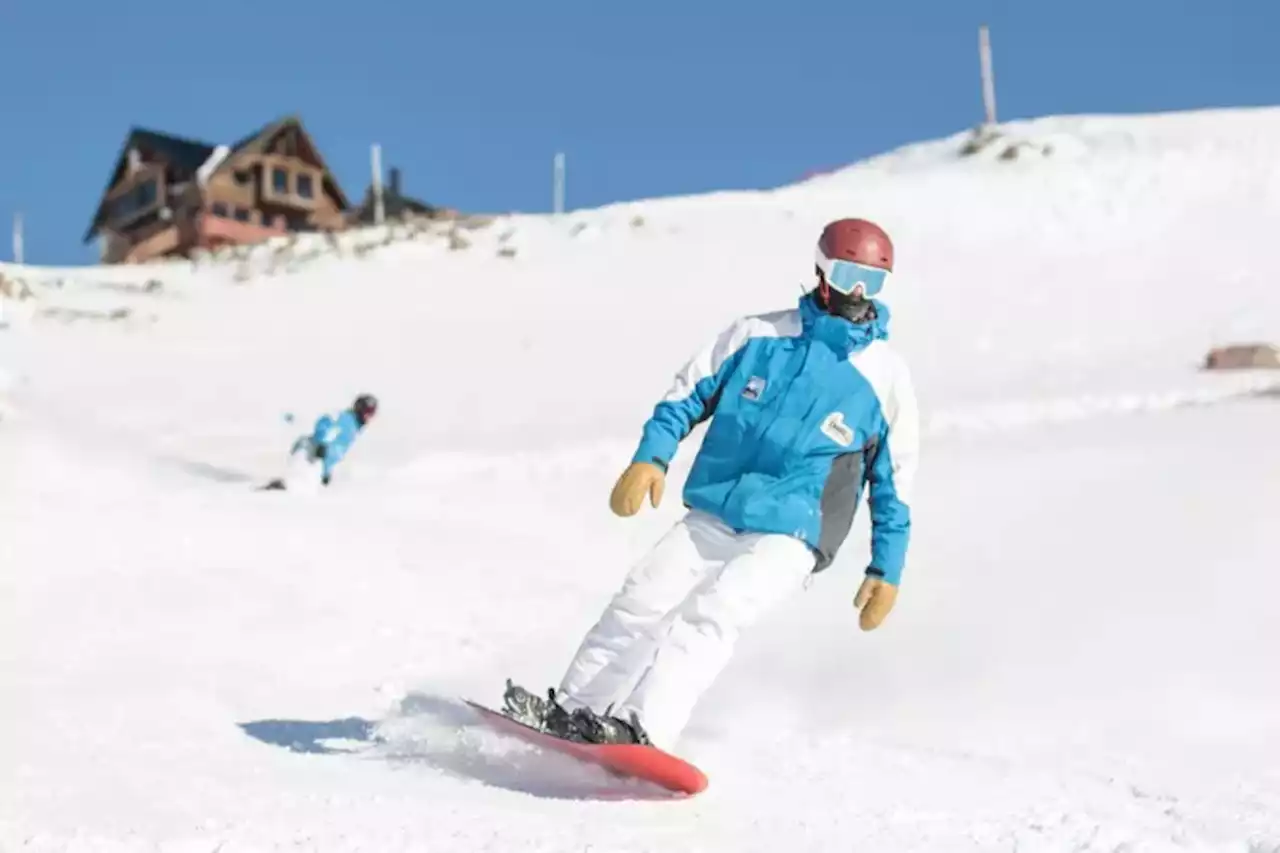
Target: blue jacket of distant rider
{"type": "Point", "coordinates": [332, 438]}
{"type": "Point", "coordinates": [806, 411]}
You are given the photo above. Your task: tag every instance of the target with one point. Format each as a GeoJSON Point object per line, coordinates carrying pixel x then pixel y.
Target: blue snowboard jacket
{"type": "Point", "coordinates": [335, 435]}
{"type": "Point", "coordinates": [806, 411]}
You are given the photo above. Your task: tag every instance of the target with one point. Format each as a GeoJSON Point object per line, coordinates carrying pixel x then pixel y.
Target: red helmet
{"type": "Point", "coordinates": [365, 407]}
{"type": "Point", "coordinates": [853, 259]}
{"type": "Point", "coordinates": [857, 240]}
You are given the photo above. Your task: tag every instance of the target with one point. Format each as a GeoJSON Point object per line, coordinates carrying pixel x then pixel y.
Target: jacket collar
{"type": "Point", "coordinates": [841, 335]}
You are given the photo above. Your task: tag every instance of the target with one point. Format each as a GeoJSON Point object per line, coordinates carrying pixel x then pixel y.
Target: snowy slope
{"type": "Point", "coordinates": [1083, 653]}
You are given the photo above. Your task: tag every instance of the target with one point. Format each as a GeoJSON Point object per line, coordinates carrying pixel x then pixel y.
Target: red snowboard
{"type": "Point", "coordinates": [625, 759]}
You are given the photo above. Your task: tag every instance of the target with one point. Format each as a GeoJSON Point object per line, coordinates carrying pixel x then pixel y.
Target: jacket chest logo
{"type": "Point", "coordinates": [755, 387]}
{"type": "Point", "coordinates": [834, 428]}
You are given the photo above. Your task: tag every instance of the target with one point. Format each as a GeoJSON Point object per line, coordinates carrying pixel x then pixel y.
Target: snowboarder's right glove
{"type": "Point", "coordinates": [640, 479]}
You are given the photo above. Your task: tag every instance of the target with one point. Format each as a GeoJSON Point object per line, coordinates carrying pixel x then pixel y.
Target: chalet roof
{"type": "Point", "coordinates": [257, 141]}
{"type": "Point", "coordinates": [186, 156]}
{"type": "Point", "coordinates": [394, 204]}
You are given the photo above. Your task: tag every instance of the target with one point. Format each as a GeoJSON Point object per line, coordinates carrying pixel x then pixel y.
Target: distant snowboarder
{"type": "Point", "coordinates": [313, 457]}
{"type": "Point", "coordinates": [808, 407]}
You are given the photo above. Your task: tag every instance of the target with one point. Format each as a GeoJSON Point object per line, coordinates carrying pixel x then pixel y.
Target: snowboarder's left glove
{"type": "Point", "coordinates": [875, 599]}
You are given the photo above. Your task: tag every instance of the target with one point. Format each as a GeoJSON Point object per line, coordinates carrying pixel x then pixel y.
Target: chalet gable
{"type": "Point", "coordinates": [282, 139]}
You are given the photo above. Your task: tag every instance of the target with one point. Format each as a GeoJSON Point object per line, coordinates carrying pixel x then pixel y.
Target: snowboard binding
{"type": "Point", "coordinates": [545, 715]}
{"type": "Point", "coordinates": [582, 725]}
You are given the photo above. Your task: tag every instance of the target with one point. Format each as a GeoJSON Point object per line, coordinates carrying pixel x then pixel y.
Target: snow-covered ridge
{"type": "Point", "coordinates": [1057, 141]}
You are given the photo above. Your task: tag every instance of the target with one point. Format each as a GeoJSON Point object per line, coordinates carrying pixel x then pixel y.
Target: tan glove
{"type": "Point", "coordinates": [639, 479]}
{"type": "Point", "coordinates": [875, 599]}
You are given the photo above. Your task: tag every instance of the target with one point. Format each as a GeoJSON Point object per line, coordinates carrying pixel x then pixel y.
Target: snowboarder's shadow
{"type": "Point", "coordinates": [445, 735]}
{"type": "Point", "coordinates": [318, 738]}
{"type": "Point", "coordinates": [208, 471]}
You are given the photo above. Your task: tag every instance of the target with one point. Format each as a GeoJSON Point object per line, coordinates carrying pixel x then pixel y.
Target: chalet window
{"type": "Point", "coordinates": [280, 181]}
{"type": "Point", "coordinates": [146, 193]}
{"type": "Point", "coordinates": [220, 209]}
{"type": "Point", "coordinates": [243, 177]}
{"type": "Point", "coordinates": [133, 201]}
{"type": "Point", "coordinates": [242, 215]}
{"type": "Point", "coordinates": [306, 188]}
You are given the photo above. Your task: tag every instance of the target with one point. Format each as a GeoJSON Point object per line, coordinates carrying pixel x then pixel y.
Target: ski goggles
{"type": "Point", "coordinates": [844, 276]}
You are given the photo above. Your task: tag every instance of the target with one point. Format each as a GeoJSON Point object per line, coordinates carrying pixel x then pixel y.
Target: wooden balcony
{"type": "Point", "coordinates": [214, 230]}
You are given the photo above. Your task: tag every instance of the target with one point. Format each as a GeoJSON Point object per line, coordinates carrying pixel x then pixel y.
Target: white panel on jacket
{"type": "Point", "coordinates": [890, 377]}
{"type": "Point", "coordinates": [712, 357]}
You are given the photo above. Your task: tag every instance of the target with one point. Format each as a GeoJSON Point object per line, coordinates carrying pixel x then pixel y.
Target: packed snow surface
{"type": "Point", "coordinates": [1083, 655]}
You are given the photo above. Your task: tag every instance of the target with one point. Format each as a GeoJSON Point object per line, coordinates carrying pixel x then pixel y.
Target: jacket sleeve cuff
{"type": "Point", "coordinates": [890, 576]}
{"type": "Point", "coordinates": [654, 451]}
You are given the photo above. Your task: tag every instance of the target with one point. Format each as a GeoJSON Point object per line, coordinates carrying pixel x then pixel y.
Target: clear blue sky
{"type": "Point", "coordinates": [471, 98]}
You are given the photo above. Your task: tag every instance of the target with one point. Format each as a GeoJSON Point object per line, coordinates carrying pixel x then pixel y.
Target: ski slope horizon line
{"type": "Point", "coordinates": [978, 419]}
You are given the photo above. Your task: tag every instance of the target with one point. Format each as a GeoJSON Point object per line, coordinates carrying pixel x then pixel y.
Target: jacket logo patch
{"type": "Point", "coordinates": [755, 387]}
{"type": "Point", "coordinates": [834, 428]}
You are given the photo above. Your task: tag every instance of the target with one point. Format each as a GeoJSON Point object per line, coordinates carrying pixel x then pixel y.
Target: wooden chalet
{"type": "Point", "coordinates": [168, 196]}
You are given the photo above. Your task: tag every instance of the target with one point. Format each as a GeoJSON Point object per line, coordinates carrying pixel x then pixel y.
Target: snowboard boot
{"type": "Point", "coordinates": [545, 715]}
{"type": "Point", "coordinates": [607, 729]}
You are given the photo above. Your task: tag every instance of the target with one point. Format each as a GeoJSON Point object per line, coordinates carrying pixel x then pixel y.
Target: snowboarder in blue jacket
{"type": "Point", "coordinates": [810, 410]}
{"type": "Point", "coordinates": [328, 443]}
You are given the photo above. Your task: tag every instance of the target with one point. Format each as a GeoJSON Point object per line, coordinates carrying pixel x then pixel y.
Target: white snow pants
{"type": "Point", "coordinates": [302, 474]}
{"type": "Point", "coordinates": [675, 621]}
